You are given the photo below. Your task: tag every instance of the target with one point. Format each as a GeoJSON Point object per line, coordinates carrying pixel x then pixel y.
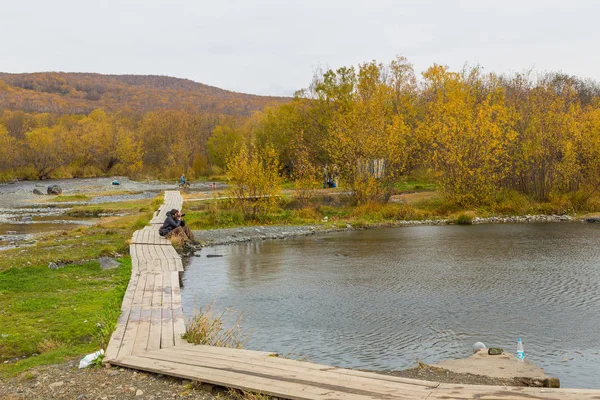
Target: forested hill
{"type": "Point", "coordinates": [80, 93]}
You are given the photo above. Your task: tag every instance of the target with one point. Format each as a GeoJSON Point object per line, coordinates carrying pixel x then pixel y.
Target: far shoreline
{"type": "Point", "coordinates": [226, 236]}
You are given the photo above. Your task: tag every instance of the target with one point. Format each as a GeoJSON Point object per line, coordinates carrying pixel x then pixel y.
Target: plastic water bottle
{"type": "Point", "coordinates": [87, 360]}
{"type": "Point", "coordinates": [520, 350]}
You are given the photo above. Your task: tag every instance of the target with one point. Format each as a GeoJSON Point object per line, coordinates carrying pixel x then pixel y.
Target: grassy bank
{"type": "Point", "coordinates": [414, 202]}
{"type": "Point", "coordinates": [49, 315]}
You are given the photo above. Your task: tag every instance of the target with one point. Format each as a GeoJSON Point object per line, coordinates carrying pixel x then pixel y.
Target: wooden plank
{"type": "Point", "coordinates": [146, 252]}
{"type": "Point", "coordinates": [116, 339]}
{"type": "Point", "coordinates": [265, 384]}
{"type": "Point", "coordinates": [146, 237]}
{"type": "Point", "coordinates": [133, 250]}
{"type": "Point", "coordinates": [317, 372]}
{"type": "Point", "coordinates": [167, 338]}
{"type": "Point", "coordinates": [269, 366]}
{"type": "Point", "coordinates": [130, 292]}
{"type": "Point", "coordinates": [178, 264]}
{"type": "Point", "coordinates": [170, 252]}
{"type": "Point", "coordinates": [156, 316]}
{"type": "Point", "coordinates": [152, 253]}
{"type": "Point", "coordinates": [265, 358]}
{"type": "Point", "coordinates": [178, 319]}
{"type": "Point", "coordinates": [128, 339]}
{"type": "Point", "coordinates": [143, 330]}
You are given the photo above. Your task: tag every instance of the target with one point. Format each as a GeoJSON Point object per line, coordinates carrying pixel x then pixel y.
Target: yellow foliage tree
{"type": "Point", "coordinates": [254, 180]}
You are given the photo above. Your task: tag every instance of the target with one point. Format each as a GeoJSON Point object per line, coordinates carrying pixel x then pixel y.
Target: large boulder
{"type": "Point", "coordinates": [54, 189]}
{"type": "Point", "coordinates": [593, 220]}
{"type": "Point", "coordinates": [37, 191]}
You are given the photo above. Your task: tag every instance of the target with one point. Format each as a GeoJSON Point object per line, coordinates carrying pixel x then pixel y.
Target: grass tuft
{"type": "Point", "coordinates": [223, 330]}
{"type": "Point", "coordinates": [464, 219]}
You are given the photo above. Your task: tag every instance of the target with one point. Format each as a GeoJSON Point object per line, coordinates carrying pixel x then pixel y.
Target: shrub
{"type": "Point", "coordinates": [464, 219]}
{"type": "Point", "coordinates": [223, 330]}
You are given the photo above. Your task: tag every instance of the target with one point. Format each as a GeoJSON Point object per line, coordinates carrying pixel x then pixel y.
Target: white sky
{"type": "Point", "coordinates": [273, 46]}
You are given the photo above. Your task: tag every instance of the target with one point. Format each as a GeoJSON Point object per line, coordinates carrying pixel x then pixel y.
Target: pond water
{"type": "Point", "coordinates": [380, 299]}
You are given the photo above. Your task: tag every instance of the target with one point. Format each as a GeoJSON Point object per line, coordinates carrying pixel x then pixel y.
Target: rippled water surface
{"type": "Point", "coordinates": [380, 299]}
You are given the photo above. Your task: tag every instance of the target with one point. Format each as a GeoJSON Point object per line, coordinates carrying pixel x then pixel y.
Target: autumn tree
{"type": "Point", "coordinates": [367, 141]}
{"type": "Point", "coordinates": [254, 180]}
{"type": "Point", "coordinates": [304, 171]}
{"type": "Point", "coordinates": [468, 129]}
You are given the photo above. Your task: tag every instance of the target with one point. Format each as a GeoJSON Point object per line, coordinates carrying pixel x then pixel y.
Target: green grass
{"type": "Point", "coordinates": [47, 315]}
{"type": "Point", "coordinates": [71, 197]}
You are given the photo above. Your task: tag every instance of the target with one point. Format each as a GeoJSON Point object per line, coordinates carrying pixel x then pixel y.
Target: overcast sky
{"type": "Point", "coordinates": [273, 46]}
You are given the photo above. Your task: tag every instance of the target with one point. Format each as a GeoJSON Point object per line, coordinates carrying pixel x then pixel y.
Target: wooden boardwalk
{"type": "Point", "coordinates": [148, 338]}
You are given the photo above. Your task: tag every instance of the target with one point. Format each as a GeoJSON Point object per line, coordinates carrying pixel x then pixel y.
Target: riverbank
{"type": "Point", "coordinates": [225, 236]}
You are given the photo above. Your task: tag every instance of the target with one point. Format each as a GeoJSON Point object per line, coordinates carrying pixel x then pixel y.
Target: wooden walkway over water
{"type": "Point", "coordinates": [148, 338]}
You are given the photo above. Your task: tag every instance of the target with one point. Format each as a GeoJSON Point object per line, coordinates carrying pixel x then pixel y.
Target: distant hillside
{"type": "Point", "coordinates": [80, 93]}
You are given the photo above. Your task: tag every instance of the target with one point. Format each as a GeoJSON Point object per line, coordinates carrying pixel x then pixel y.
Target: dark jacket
{"type": "Point", "coordinates": [169, 224]}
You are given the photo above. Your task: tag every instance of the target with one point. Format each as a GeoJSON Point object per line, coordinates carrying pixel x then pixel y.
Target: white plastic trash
{"type": "Point", "coordinates": [477, 346]}
{"type": "Point", "coordinates": [87, 360]}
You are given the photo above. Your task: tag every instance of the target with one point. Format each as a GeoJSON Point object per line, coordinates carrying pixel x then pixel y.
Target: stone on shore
{"type": "Point", "coordinates": [55, 190]}
{"type": "Point", "coordinates": [504, 366]}
{"type": "Point", "coordinates": [108, 263]}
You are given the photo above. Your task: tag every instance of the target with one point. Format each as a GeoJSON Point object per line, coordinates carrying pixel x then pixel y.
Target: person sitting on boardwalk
{"type": "Point", "coordinates": [174, 225]}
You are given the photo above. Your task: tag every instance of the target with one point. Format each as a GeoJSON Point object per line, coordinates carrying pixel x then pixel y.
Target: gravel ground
{"type": "Point", "coordinates": [215, 237]}
{"type": "Point", "coordinates": [66, 381]}
{"type": "Point", "coordinates": [20, 193]}
{"type": "Point", "coordinates": [435, 374]}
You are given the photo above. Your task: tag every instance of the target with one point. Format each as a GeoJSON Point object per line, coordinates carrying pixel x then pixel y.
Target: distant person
{"type": "Point", "coordinates": [174, 225]}
{"type": "Point", "coordinates": [182, 179]}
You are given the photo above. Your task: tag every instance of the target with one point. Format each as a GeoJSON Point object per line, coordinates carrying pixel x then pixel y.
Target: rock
{"type": "Point", "coordinates": [82, 397]}
{"type": "Point", "coordinates": [38, 192]}
{"type": "Point", "coordinates": [56, 385]}
{"type": "Point", "coordinates": [495, 351]}
{"type": "Point", "coordinates": [54, 189]}
{"type": "Point", "coordinates": [214, 255]}
{"type": "Point", "coordinates": [552, 382]}
{"type": "Point", "coordinates": [139, 392]}
{"type": "Point", "coordinates": [593, 220]}
{"type": "Point", "coordinates": [108, 263]}
{"type": "Point", "coordinates": [52, 265]}
{"type": "Point", "coordinates": [477, 346]}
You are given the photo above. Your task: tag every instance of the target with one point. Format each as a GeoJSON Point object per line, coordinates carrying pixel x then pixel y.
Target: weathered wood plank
{"type": "Point", "coordinates": [178, 319]}
{"type": "Point", "coordinates": [128, 339]}
{"type": "Point", "coordinates": [269, 366]}
{"type": "Point", "coordinates": [143, 330]}
{"type": "Point", "coordinates": [316, 371]}
{"type": "Point", "coordinates": [154, 338]}
{"type": "Point", "coordinates": [240, 380]}
{"type": "Point", "coordinates": [167, 339]}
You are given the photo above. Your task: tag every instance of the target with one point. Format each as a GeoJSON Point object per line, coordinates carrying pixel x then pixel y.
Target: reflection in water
{"type": "Point", "coordinates": [247, 268]}
{"type": "Point", "coordinates": [380, 299]}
